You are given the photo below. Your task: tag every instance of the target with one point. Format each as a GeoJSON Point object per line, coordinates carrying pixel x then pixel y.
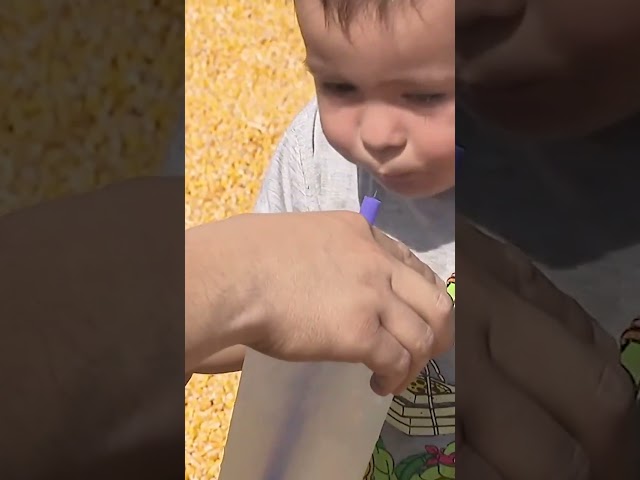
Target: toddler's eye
{"type": "Point", "coordinates": [333, 88]}
{"type": "Point", "coordinates": [425, 98]}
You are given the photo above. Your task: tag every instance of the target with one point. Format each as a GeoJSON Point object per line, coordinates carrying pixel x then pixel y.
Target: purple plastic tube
{"type": "Point", "coordinates": [369, 209]}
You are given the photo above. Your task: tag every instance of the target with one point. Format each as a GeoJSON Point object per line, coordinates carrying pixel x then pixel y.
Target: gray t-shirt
{"type": "Point", "coordinates": [307, 174]}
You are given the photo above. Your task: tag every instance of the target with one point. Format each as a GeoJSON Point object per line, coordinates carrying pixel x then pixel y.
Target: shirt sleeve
{"type": "Point", "coordinates": [284, 187]}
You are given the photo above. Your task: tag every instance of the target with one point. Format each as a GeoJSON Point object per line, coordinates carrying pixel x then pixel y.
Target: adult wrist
{"type": "Point", "coordinates": [223, 305]}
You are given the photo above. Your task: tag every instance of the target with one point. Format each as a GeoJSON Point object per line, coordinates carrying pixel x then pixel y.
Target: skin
{"type": "Point", "coordinates": [549, 69]}
{"type": "Point", "coordinates": [361, 298]}
{"type": "Point", "coordinates": [386, 91]}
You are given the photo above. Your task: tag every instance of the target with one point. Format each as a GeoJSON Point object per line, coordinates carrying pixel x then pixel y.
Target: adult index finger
{"type": "Point", "coordinates": [513, 270]}
{"type": "Point", "coordinates": [590, 395]}
{"type": "Point", "coordinates": [403, 253]}
{"type": "Point", "coordinates": [430, 301]}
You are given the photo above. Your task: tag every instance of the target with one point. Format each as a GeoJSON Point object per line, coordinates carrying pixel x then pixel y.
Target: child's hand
{"type": "Point", "coordinates": [540, 390]}
{"type": "Point", "coordinates": [327, 287]}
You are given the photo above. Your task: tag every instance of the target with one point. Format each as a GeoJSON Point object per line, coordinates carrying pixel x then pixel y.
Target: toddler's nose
{"type": "Point", "coordinates": [381, 135]}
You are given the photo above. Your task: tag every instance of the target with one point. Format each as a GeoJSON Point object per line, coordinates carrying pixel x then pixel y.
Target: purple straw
{"type": "Point", "coordinates": [369, 209]}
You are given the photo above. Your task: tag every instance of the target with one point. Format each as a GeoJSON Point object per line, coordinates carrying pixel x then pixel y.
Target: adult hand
{"type": "Point", "coordinates": [315, 287]}
{"type": "Point", "coordinates": [541, 392]}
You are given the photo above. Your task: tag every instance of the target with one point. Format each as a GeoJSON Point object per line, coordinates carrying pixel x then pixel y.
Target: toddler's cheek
{"type": "Point", "coordinates": [342, 140]}
{"type": "Point", "coordinates": [436, 153]}
{"type": "Point", "coordinates": [434, 134]}
{"type": "Point", "coordinates": [339, 130]}
{"type": "Point", "coordinates": [437, 167]}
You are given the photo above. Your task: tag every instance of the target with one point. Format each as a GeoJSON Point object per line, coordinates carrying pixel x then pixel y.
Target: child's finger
{"type": "Point", "coordinates": [413, 333]}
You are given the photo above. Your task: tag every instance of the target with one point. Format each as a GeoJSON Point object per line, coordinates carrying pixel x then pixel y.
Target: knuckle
{"type": "Point", "coordinates": [377, 278]}
{"type": "Point", "coordinates": [615, 393]}
{"type": "Point", "coordinates": [607, 343]}
{"type": "Point", "coordinates": [443, 304]}
{"type": "Point", "coordinates": [366, 254]}
{"type": "Point", "coordinates": [367, 326]}
{"type": "Point", "coordinates": [405, 253]}
{"type": "Point", "coordinates": [424, 343]}
{"type": "Point", "coordinates": [578, 467]}
{"type": "Point", "coordinates": [402, 363]}
{"type": "Point", "coordinates": [370, 302]}
{"type": "Point", "coordinates": [354, 218]}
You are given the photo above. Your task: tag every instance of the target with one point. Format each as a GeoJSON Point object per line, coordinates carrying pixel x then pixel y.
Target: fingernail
{"type": "Point", "coordinates": [377, 387]}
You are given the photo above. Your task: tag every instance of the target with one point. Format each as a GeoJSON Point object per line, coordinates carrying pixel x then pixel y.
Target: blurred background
{"type": "Point", "coordinates": [244, 84]}
{"type": "Point", "coordinates": [88, 91]}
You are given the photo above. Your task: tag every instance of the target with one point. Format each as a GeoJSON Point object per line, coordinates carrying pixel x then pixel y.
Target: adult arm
{"type": "Point", "coordinates": [276, 196]}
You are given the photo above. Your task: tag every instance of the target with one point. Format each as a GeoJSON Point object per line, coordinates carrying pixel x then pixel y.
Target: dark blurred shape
{"type": "Point", "coordinates": [91, 314]}
{"type": "Point", "coordinates": [547, 364]}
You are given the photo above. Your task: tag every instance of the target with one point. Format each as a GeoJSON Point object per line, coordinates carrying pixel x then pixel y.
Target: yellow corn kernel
{"type": "Point", "coordinates": [70, 61]}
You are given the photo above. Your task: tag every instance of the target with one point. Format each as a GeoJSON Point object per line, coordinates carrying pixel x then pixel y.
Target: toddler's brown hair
{"type": "Point", "coordinates": [344, 11]}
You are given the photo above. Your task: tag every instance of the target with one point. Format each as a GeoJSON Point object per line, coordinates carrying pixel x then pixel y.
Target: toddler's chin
{"type": "Point", "coordinates": [415, 191]}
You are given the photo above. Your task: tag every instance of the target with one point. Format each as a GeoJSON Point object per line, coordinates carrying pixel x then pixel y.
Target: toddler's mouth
{"type": "Point", "coordinates": [394, 170]}
{"type": "Point", "coordinates": [398, 180]}
{"type": "Point", "coordinates": [395, 174]}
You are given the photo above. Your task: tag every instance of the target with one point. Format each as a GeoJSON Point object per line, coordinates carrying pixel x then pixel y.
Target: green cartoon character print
{"type": "Point", "coordinates": [451, 286]}
{"type": "Point", "coordinates": [433, 464]}
{"type": "Point", "coordinates": [381, 465]}
{"type": "Point", "coordinates": [630, 351]}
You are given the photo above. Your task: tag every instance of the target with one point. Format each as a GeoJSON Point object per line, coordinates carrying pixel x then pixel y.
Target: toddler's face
{"type": "Point", "coordinates": [549, 68]}
{"type": "Point", "coordinates": [386, 91]}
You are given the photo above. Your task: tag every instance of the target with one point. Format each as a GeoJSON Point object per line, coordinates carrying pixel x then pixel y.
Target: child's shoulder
{"type": "Point", "coordinates": [306, 134]}
{"type": "Point", "coordinates": [305, 120]}
{"type": "Point", "coordinates": [305, 172]}
{"type": "Point", "coordinates": [306, 154]}
{"type": "Point", "coordinates": [301, 131]}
